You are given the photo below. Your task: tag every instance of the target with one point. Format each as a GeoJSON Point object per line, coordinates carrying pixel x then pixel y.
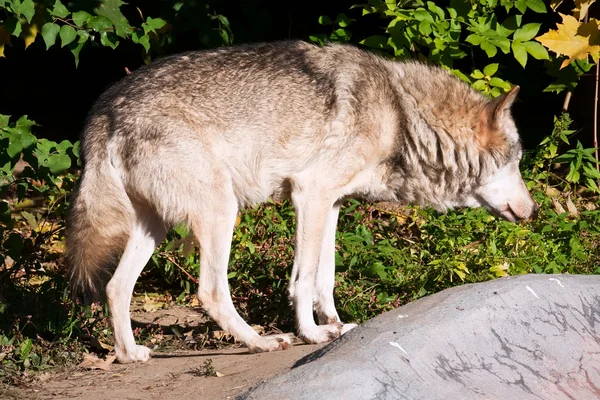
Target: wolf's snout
{"type": "Point", "coordinates": [521, 212]}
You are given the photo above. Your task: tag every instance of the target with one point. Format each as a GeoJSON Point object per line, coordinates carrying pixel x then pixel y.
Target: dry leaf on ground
{"type": "Point", "coordinates": [90, 361]}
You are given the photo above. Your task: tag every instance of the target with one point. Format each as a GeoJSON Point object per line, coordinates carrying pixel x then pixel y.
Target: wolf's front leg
{"type": "Point", "coordinates": [325, 275]}
{"type": "Point", "coordinates": [325, 281]}
{"type": "Point", "coordinates": [214, 230]}
{"type": "Point", "coordinates": [313, 214]}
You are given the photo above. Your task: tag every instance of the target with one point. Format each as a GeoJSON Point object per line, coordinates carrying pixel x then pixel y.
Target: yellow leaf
{"type": "Point", "coordinates": [581, 8]}
{"type": "Point", "coordinates": [29, 33]}
{"type": "Point", "coordinates": [4, 39]}
{"type": "Point", "coordinates": [573, 39]}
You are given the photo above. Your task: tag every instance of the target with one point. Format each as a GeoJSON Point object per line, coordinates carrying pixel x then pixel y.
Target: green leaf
{"type": "Point", "coordinates": [325, 20]}
{"type": "Point", "coordinates": [76, 47]}
{"type": "Point", "coordinates": [80, 18]}
{"type": "Point", "coordinates": [521, 5]}
{"type": "Point", "coordinates": [377, 269]}
{"type": "Point", "coordinates": [342, 20]}
{"type": "Point", "coordinates": [423, 15]}
{"type": "Point", "coordinates": [109, 39]}
{"type": "Point", "coordinates": [152, 24]}
{"type": "Point", "coordinates": [59, 10]}
{"type": "Point", "coordinates": [497, 82]}
{"type": "Point", "coordinates": [25, 349]}
{"type": "Point", "coordinates": [100, 23]}
{"type": "Point", "coordinates": [537, 5]}
{"type": "Point", "coordinates": [67, 35]}
{"type": "Point", "coordinates": [144, 40]}
{"type": "Point", "coordinates": [224, 34]}
{"type": "Point", "coordinates": [591, 172]}
{"type": "Point", "coordinates": [461, 75]}
{"type": "Point", "coordinates": [502, 31]}
{"type": "Point", "coordinates": [83, 36]}
{"type": "Point", "coordinates": [49, 33]}
{"type": "Point", "coordinates": [320, 39]}
{"type": "Point", "coordinates": [490, 69]}
{"type": "Point", "coordinates": [111, 9]}
{"type": "Point", "coordinates": [536, 50]}
{"type": "Point", "coordinates": [15, 146]}
{"type": "Point", "coordinates": [375, 41]}
{"type": "Point", "coordinates": [477, 74]}
{"type": "Point", "coordinates": [58, 163]}
{"type": "Point", "coordinates": [341, 35]}
{"type": "Point", "coordinates": [13, 26]}
{"type": "Point", "coordinates": [425, 28]}
{"type": "Point", "coordinates": [436, 9]}
{"type": "Point", "coordinates": [591, 184]}
{"type": "Point", "coordinates": [474, 39]}
{"type": "Point", "coordinates": [75, 149]}
{"type": "Point", "coordinates": [4, 120]}
{"type": "Point", "coordinates": [480, 85]}
{"type": "Point", "coordinates": [489, 48]}
{"type": "Point", "coordinates": [527, 32]}
{"type": "Point", "coordinates": [27, 9]}
{"type": "Point", "coordinates": [573, 175]}
{"type": "Point", "coordinates": [520, 53]}
{"type": "Point", "coordinates": [502, 43]}
{"type": "Point", "coordinates": [63, 146]}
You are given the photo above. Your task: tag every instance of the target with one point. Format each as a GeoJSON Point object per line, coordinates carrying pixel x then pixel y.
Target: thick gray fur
{"type": "Point", "coordinates": [195, 137]}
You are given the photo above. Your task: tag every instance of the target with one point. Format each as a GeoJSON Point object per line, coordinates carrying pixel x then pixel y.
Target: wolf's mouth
{"type": "Point", "coordinates": [508, 214]}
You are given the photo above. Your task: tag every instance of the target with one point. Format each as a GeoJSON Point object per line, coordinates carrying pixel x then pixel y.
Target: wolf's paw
{"type": "Point", "coordinates": [271, 343]}
{"type": "Point", "coordinates": [137, 354]}
{"type": "Point", "coordinates": [325, 333]}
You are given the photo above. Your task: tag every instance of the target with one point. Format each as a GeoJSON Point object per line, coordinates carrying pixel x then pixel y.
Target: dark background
{"type": "Point", "coordinates": [46, 86]}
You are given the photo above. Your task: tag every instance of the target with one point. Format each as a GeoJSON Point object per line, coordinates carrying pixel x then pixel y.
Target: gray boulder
{"type": "Point", "coordinates": [517, 338]}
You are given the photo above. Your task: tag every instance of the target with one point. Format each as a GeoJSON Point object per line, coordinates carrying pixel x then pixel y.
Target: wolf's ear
{"type": "Point", "coordinates": [489, 128]}
{"type": "Point", "coordinates": [502, 104]}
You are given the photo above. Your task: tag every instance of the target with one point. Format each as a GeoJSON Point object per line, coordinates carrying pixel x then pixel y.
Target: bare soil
{"type": "Point", "coordinates": [173, 374]}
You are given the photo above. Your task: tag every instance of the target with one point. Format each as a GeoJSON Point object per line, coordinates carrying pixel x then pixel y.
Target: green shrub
{"type": "Point", "coordinates": [386, 255]}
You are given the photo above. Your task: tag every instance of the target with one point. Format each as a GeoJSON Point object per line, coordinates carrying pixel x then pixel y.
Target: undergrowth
{"type": "Point", "coordinates": [386, 254]}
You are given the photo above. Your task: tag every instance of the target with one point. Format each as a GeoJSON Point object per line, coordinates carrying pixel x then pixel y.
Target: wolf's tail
{"type": "Point", "coordinates": [100, 221]}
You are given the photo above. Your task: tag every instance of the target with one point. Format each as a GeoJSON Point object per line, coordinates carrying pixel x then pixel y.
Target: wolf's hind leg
{"type": "Point", "coordinates": [213, 228]}
{"type": "Point", "coordinates": [323, 297]}
{"type": "Point", "coordinates": [146, 234]}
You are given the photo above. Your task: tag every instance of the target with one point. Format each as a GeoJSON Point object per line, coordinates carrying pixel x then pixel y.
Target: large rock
{"type": "Point", "coordinates": [516, 338]}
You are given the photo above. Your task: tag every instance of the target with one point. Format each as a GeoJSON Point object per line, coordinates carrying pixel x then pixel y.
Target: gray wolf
{"type": "Point", "coordinates": [195, 137]}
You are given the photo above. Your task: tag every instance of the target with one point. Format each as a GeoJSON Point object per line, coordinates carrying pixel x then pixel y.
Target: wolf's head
{"type": "Point", "coordinates": [502, 191]}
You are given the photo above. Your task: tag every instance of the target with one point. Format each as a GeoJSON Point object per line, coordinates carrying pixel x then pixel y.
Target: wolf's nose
{"type": "Point", "coordinates": [535, 211]}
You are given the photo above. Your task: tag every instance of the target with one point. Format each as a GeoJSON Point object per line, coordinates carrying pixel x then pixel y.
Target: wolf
{"type": "Point", "coordinates": [195, 137]}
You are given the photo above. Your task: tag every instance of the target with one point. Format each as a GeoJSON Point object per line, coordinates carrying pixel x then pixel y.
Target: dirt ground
{"type": "Point", "coordinates": [173, 376]}
{"type": "Point", "coordinates": [169, 374]}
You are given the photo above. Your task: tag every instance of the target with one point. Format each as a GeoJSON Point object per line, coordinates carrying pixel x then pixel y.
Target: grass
{"type": "Point", "coordinates": [386, 256]}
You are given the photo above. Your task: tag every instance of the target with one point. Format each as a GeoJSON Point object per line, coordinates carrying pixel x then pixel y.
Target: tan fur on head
{"type": "Point", "coordinates": [489, 131]}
